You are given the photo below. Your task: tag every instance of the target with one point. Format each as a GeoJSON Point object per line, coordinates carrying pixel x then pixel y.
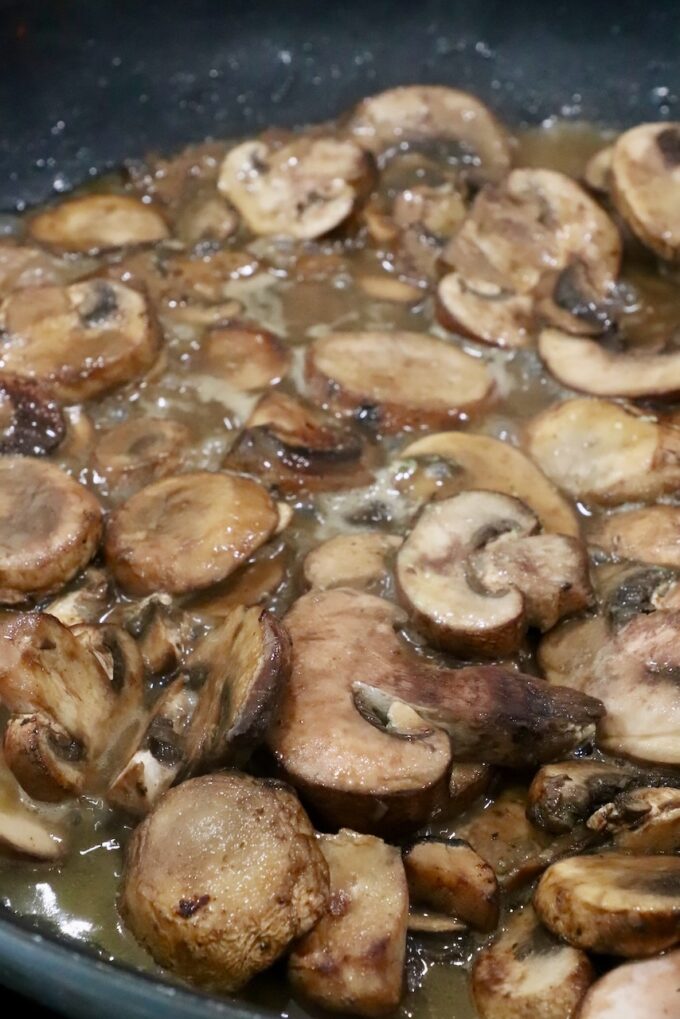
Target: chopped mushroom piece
{"type": "Point", "coordinates": [449, 877]}
{"type": "Point", "coordinates": [160, 631]}
{"type": "Point", "coordinates": [651, 535]}
{"type": "Point", "coordinates": [353, 960]}
{"type": "Point", "coordinates": [203, 910]}
{"type": "Point", "coordinates": [31, 422]}
{"type": "Point", "coordinates": [396, 380]}
{"type": "Point", "coordinates": [564, 795]}
{"type": "Point", "coordinates": [139, 451]}
{"type": "Point", "coordinates": [97, 223]}
{"type": "Point", "coordinates": [244, 354]}
{"type": "Point", "coordinates": [22, 829]}
{"type": "Point", "coordinates": [350, 560]}
{"type": "Point", "coordinates": [601, 451]}
{"type": "Point", "coordinates": [302, 190]}
{"type": "Point", "coordinates": [636, 989]}
{"type": "Point", "coordinates": [420, 115]}
{"type": "Point", "coordinates": [50, 527]}
{"type": "Point", "coordinates": [50, 334]}
{"type": "Point", "coordinates": [475, 574]}
{"type": "Point", "coordinates": [641, 820]}
{"type": "Point", "coordinates": [527, 973]}
{"type": "Point", "coordinates": [645, 184]}
{"type": "Point", "coordinates": [187, 532]}
{"type": "Point", "coordinates": [587, 366]}
{"type": "Point", "coordinates": [87, 603]}
{"type": "Point", "coordinates": [613, 903]}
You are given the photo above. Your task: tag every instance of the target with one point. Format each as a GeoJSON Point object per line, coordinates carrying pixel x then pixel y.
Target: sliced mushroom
{"type": "Point", "coordinates": [252, 585]}
{"type": "Point", "coordinates": [87, 603]}
{"type": "Point", "coordinates": [485, 310]}
{"type": "Point", "coordinates": [418, 115]}
{"type": "Point", "coordinates": [138, 451]}
{"type": "Point", "coordinates": [613, 903]}
{"type": "Point", "coordinates": [50, 527]}
{"type": "Point", "coordinates": [243, 665]}
{"type": "Point", "coordinates": [396, 380]}
{"type": "Point", "coordinates": [645, 184]}
{"type": "Point", "coordinates": [161, 632]}
{"type": "Point", "coordinates": [390, 288]}
{"type": "Point", "coordinates": [23, 831]}
{"type": "Point", "coordinates": [482, 462]}
{"type": "Point", "coordinates": [206, 218]}
{"type": "Point", "coordinates": [641, 820]}
{"type": "Point", "coordinates": [353, 960]}
{"type": "Point", "coordinates": [603, 452]}
{"type": "Point", "coordinates": [475, 575]}
{"type": "Point", "coordinates": [587, 366]}
{"type": "Point", "coordinates": [564, 795]}
{"type": "Point", "coordinates": [303, 189]}
{"type": "Point", "coordinates": [50, 334]}
{"type": "Point", "coordinates": [651, 535]}
{"type": "Point", "coordinates": [467, 782]}
{"type": "Point", "coordinates": [121, 660]}
{"type": "Point", "coordinates": [350, 560]}
{"type": "Point", "coordinates": [451, 878]}
{"type": "Point", "coordinates": [98, 223]}
{"type": "Point", "coordinates": [204, 911]}
{"type": "Point", "coordinates": [648, 989]}
{"type": "Point", "coordinates": [187, 532]}
{"type": "Point", "coordinates": [597, 174]}
{"type": "Point", "coordinates": [421, 221]}
{"type": "Point", "coordinates": [31, 422]}
{"type": "Point", "coordinates": [577, 305]}
{"type": "Point", "coordinates": [527, 972]}
{"type": "Point", "coordinates": [160, 754]}
{"type": "Point", "coordinates": [23, 266]}
{"type": "Point", "coordinates": [244, 354]}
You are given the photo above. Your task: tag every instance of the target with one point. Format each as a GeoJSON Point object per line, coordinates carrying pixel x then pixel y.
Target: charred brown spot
{"type": "Point", "coordinates": [339, 903]}
{"type": "Point", "coordinates": [187, 907]}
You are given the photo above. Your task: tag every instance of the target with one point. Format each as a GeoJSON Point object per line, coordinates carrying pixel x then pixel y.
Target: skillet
{"type": "Point", "coordinates": [84, 85]}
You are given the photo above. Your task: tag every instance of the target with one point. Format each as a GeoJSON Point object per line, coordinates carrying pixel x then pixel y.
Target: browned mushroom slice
{"type": "Point", "coordinates": [429, 114]}
{"type": "Point", "coordinates": [172, 180]}
{"type": "Point", "coordinates": [648, 988]}
{"type": "Point", "coordinates": [466, 783]}
{"type": "Point", "coordinates": [641, 820]}
{"type": "Point", "coordinates": [564, 795]}
{"type": "Point", "coordinates": [645, 184]}
{"type": "Point", "coordinates": [50, 334]}
{"type": "Point", "coordinates": [121, 661]}
{"type": "Point", "coordinates": [252, 585]}
{"type": "Point", "coordinates": [47, 762]}
{"type": "Point", "coordinates": [587, 366]}
{"type": "Point", "coordinates": [160, 754]}
{"type": "Point", "coordinates": [292, 445]}
{"type": "Point", "coordinates": [353, 960]}
{"type": "Point", "coordinates": [475, 575]}
{"type": "Point", "coordinates": [23, 266]}
{"type": "Point", "coordinates": [451, 878]}
{"type": "Point", "coordinates": [528, 972]}
{"type": "Point", "coordinates": [422, 219]}
{"type": "Point", "coordinates": [244, 354]}
{"type": "Point", "coordinates": [243, 664]}
{"type": "Point", "coordinates": [86, 603]}
{"type": "Point", "coordinates": [396, 380]}
{"type": "Point", "coordinates": [139, 451]}
{"type": "Point", "coordinates": [203, 910]}
{"type": "Point", "coordinates": [350, 560]}
{"type": "Point", "coordinates": [601, 451]}
{"type": "Point", "coordinates": [206, 218]}
{"type": "Point", "coordinates": [31, 422]}
{"type": "Point", "coordinates": [651, 534]}
{"type": "Point", "coordinates": [302, 190]}
{"type": "Point", "coordinates": [485, 310]}
{"type": "Point", "coordinates": [98, 222]}
{"type": "Point", "coordinates": [187, 532]}
{"type": "Point", "coordinates": [383, 287]}
{"type": "Point", "coordinates": [576, 305]}
{"type": "Point", "coordinates": [613, 903]}
{"type": "Point", "coordinates": [482, 462]}
{"type": "Point", "coordinates": [597, 174]}
{"type": "Point", "coordinates": [50, 527]}
{"type": "Point", "coordinates": [160, 631]}
{"type": "Point", "coordinates": [23, 831]}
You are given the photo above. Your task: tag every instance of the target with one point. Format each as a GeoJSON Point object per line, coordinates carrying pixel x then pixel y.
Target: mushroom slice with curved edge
{"type": "Point", "coordinates": [243, 664]}
{"type": "Point", "coordinates": [576, 305]}
{"type": "Point", "coordinates": [483, 462]}
{"type": "Point", "coordinates": [475, 574]}
{"type": "Point", "coordinates": [244, 354]}
{"type": "Point", "coordinates": [432, 114]}
{"type": "Point", "coordinates": [588, 367]}
{"type": "Point", "coordinates": [22, 266]}
{"type": "Point", "coordinates": [648, 988]}
{"type": "Point", "coordinates": [254, 583]}
{"type": "Point", "coordinates": [293, 445]}
{"type": "Point", "coordinates": [396, 380]}
{"type": "Point", "coordinates": [31, 422]}
{"type": "Point", "coordinates": [121, 660]}
{"type": "Point", "coordinates": [561, 796]}
{"type": "Point", "coordinates": [449, 877]}
{"type": "Point", "coordinates": [467, 782]}
{"type": "Point", "coordinates": [426, 923]}
{"type": "Point", "coordinates": [350, 560]}
{"type": "Point", "coordinates": [187, 532]}
{"type": "Point", "coordinates": [50, 527]}
{"type": "Point", "coordinates": [302, 190]}
{"type": "Point", "coordinates": [527, 972]}
{"type": "Point", "coordinates": [204, 911]}
{"type": "Point", "coordinates": [485, 310]}
{"type": "Point", "coordinates": [160, 754]}
{"type": "Point", "coordinates": [353, 960]}
{"type": "Point", "coordinates": [423, 219]}
{"type": "Point", "coordinates": [613, 903]}
{"type": "Point", "coordinates": [597, 174]}
{"type": "Point", "coordinates": [605, 453]}
{"type": "Point", "coordinates": [52, 333]}
{"type": "Point", "coordinates": [641, 820]}
{"type": "Point", "coordinates": [87, 603]}
{"type": "Point", "coordinates": [22, 828]}
{"type": "Point", "coordinates": [98, 223]}
{"type": "Point", "coordinates": [650, 535]}
{"type": "Point", "coordinates": [139, 451]}
{"type": "Point", "coordinates": [160, 631]}
{"type": "Point", "coordinates": [645, 184]}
